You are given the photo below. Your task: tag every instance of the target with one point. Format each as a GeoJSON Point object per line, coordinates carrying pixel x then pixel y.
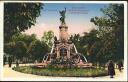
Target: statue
{"type": "Point", "coordinates": [62, 13]}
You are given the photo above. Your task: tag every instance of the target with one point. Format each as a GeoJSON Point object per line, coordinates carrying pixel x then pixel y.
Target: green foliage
{"type": "Point", "coordinates": [38, 50]}
{"type": "Point", "coordinates": [110, 31]}
{"type": "Point", "coordinates": [24, 46]}
{"type": "Point", "coordinates": [63, 72]}
{"type": "Point", "coordinates": [19, 17]}
{"type": "Point", "coordinates": [76, 38]}
{"type": "Point", "coordinates": [48, 38]}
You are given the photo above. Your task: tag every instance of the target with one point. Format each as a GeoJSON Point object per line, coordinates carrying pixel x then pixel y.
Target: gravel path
{"type": "Point", "coordinates": [9, 74]}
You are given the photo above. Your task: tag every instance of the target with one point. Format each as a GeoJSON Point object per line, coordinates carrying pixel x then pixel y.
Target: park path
{"type": "Point", "coordinates": [9, 74]}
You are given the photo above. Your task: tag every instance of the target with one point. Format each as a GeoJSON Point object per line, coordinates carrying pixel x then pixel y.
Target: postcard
{"type": "Point", "coordinates": [63, 41]}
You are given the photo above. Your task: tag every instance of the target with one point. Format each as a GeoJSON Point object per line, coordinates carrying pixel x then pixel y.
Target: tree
{"type": "Point", "coordinates": [76, 39]}
{"type": "Point", "coordinates": [19, 17]}
{"type": "Point", "coordinates": [26, 48]}
{"type": "Point", "coordinates": [20, 50]}
{"type": "Point", "coordinates": [38, 50]}
{"type": "Point", "coordinates": [19, 45]}
{"type": "Point", "coordinates": [111, 29]}
{"type": "Point", "coordinates": [17, 50]}
{"type": "Point", "coordinates": [48, 38]}
{"type": "Point", "coordinates": [90, 45]}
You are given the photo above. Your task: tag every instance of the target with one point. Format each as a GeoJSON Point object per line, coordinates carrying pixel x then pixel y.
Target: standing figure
{"type": "Point", "coordinates": [10, 61]}
{"type": "Point", "coordinates": [17, 63]}
{"type": "Point", "coordinates": [5, 59]}
{"type": "Point", "coordinates": [111, 69]}
{"type": "Point", "coordinates": [62, 19]}
{"type": "Point", "coordinates": [120, 65]}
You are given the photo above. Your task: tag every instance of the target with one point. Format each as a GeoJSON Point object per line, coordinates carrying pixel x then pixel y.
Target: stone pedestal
{"type": "Point", "coordinates": [63, 33]}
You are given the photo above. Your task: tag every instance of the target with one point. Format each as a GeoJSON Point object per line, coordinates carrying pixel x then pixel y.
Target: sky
{"type": "Point", "coordinates": [78, 17]}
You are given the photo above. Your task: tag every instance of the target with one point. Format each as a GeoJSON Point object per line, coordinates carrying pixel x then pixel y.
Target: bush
{"type": "Point", "coordinates": [63, 72]}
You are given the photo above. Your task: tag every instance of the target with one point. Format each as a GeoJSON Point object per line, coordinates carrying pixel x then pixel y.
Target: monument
{"type": "Point", "coordinates": [64, 52]}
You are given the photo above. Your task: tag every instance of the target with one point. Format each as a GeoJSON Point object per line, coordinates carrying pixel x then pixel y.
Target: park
{"type": "Point", "coordinates": [59, 52]}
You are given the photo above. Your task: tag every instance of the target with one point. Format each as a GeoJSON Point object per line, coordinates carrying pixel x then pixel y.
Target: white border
{"type": "Point", "coordinates": [1, 39]}
{"type": "Point", "coordinates": [57, 78]}
{"type": "Point", "coordinates": [125, 40]}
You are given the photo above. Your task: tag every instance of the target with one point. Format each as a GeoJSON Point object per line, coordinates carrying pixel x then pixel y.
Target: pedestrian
{"type": "Point", "coordinates": [17, 63]}
{"type": "Point", "coordinates": [5, 59]}
{"type": "Point", "coordinates": [111, 69]}
{"type": "Point", "coordinates": [9, 61]}
{"type": "Point", "coordinates": [120, 65]}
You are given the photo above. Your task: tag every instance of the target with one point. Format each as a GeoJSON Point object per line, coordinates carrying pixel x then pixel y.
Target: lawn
{"type": "Point", "coordinates": [62, 72]}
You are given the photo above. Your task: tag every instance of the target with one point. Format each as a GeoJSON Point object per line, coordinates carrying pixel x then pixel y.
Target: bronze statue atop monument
{"type": "Point", "coordinates": [62, 14]}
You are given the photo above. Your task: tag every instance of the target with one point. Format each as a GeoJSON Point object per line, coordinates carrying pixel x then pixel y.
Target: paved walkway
{"type": "Point", "coordinates": [9, 74]}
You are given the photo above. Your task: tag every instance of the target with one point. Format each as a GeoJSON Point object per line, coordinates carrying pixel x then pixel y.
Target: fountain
{"type": "Point", "coordinates": [64, 52]}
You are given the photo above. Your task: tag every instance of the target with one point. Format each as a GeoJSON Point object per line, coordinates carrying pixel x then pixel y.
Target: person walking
{"type": "Point", "coordinates": [120, 65]}
{"type": "Point", "coordinates": [111, 69]}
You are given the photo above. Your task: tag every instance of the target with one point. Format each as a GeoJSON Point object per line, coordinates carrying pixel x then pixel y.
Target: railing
{"type": "Point", "coordinates": [84, 58]}
{"type": "Point", "coordinates": [81, 54]}
{"type": "Point", "coordinates": [52, 48]}
{"type": "Point", "coordinates": [75, 49]}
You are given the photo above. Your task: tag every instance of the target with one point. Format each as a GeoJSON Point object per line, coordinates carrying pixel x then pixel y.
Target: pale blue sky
{"type": "Point", "coordinates": [77, 17]}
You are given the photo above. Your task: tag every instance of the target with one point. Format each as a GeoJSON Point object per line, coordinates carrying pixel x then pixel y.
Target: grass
{"type": "Point", "coordinates": [62, 72]}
